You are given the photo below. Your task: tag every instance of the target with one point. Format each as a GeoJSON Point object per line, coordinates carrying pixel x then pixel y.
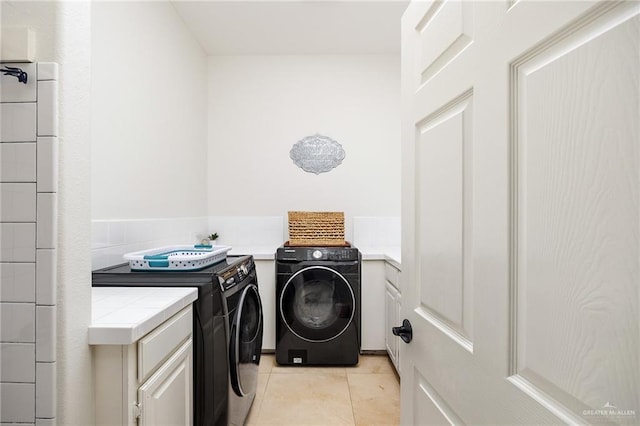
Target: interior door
{"type": "Point", "coordinates": [520, 212]}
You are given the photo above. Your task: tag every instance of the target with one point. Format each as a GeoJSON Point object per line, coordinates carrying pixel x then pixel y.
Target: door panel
{"type": "Point", "coordinates": [446, 29]}
{"type": "Point", "coordinates": [521, 218]}
{"type": "Point", "coordinates": [576, 180]}
{"type": "Point", "coordinates": [442, 194]}
{"type": "Point", "coordinates": [431, 409]}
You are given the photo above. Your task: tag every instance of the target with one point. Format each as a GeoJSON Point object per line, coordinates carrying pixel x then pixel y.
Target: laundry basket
{"type": "Point", "coordinates": [176, 258]}
{"type": "Point", "coordinates": [316, 228]}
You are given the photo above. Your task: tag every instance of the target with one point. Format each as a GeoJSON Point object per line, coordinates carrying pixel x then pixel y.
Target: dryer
{"type": "Point", "coordinates": [227, 330]}
{"type": "Point", "coordinates": [318, 305]}
{"type": "Point", "coordinates": [242, 310]}
{"type": "Point", "coordinates": [210, 355]}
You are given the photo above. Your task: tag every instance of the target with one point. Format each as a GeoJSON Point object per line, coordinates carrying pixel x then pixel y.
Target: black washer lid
{"type": "Point", "coordinates": [122, 276]}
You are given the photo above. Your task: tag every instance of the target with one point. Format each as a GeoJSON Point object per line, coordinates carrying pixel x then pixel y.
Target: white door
{"type": "Point", "coordinates": [520, 212]}
{"type": "Point", "coordinates": [167, 396]}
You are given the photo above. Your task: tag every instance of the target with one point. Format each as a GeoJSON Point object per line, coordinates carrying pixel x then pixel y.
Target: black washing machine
{"type": "Point", "coordinates": [227, 332]}
{"type": "Point", "coordinates": [318, 305]}
{"type": "Point", "coordinates": [242, 308]}
{"type": "Point", "coordinates": [210, 360]}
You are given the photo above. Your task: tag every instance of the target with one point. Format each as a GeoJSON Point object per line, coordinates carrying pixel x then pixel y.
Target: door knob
{"type": "Point", "coordinates": [404, 331]}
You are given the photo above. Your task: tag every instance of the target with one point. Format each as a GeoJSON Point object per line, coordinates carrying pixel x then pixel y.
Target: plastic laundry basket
{"type": "Point", "coordinates": [177, 258]}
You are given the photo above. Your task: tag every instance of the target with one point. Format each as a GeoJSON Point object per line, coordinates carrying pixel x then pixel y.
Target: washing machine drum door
{"type": "Point", "coordinates": [246, 342]}
{"type": "Point", "coordinates": [317, 304]}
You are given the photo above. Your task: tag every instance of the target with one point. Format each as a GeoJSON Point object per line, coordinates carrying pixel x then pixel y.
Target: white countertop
{"type": "Point", "coordinates": [258, 252]}
{"type": "Point", "coordinates": [122, 315]}
{"type": "Point", "coordinates": [392, 255]}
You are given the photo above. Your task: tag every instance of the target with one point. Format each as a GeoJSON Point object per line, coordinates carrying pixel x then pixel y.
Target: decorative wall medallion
{"type": "Point", "coordinates": [317, 154]}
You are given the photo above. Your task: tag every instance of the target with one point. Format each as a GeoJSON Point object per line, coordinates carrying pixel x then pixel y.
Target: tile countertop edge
{"type": "Point", "coordinates": [103, 332]}
{"type": "Point", "coordinates": [389, 254]}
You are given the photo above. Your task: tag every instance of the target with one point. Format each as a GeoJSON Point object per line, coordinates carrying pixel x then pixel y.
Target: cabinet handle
{"type": "Point", "coordinates": [404, 331]}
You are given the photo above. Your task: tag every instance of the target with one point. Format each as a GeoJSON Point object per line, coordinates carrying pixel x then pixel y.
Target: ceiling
{"type": "Point", "coordinates": [294, 27]}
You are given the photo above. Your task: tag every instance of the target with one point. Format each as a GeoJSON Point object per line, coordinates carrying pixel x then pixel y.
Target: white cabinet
{"type": "Point", "coordinates": [372, 295]}
{"type": "Point", "coordinates": [266, 270]}
{"type": "Point", "coordinates": [392, 313]}
{"type": "Point", "coordinates": [148, 382]}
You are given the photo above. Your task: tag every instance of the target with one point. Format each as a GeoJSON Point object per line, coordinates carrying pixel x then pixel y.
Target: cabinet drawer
{"type": "Point", "coordinates": [392, 275]}
{"type": "Point", "coordinates": [157, 346]}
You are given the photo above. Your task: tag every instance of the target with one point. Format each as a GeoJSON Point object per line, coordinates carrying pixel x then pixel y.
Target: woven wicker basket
{"type": "Point", "coordinates": [316, 229]}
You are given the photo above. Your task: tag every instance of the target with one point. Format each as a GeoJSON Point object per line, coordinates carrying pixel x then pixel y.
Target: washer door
{"type": "Point", "coordinates": [246, 342]}
{"type": "Point", "coordinates": [317, 304]}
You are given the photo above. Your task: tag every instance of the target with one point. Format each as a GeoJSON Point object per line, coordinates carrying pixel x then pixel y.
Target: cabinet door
{"type": "Point", "coordinates": [391, 320]}
{"type": "Point", "coordinates": [167, 397]}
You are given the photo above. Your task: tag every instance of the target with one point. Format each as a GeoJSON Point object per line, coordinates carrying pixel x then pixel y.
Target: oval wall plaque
{"type": "Point", "coordinates": [317, 154]}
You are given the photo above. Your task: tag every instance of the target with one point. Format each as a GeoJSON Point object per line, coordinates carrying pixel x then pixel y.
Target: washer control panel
{"type": "Point", "coordinates": [300, 254]}
{"type": "Point", "coordinates": [235, 273]}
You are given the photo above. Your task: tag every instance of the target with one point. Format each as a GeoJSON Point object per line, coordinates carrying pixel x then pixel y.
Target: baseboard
{"type": "Point", "coordinates": [373, 352]}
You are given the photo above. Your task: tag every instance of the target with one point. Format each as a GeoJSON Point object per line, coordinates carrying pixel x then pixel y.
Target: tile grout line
{"type": "Point", "coordinates": [353, 410]}
{"type": "Point", "coordinates": [264, 396]}
{"type": "Point", "coordinates": [258, 412]}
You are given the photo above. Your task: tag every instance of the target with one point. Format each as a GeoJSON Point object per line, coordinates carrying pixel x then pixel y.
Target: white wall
{"type": "Point", "coordinates": [63, 34]}
{"type": "Point", "coordinates": [259, 106]}
{"type": "Point", "coordinates": [127, 119]}
{"type": "Point", "coordinates": [149, 105]}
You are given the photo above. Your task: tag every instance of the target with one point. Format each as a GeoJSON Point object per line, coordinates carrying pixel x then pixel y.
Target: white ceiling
{"type": "Point", "coordinates": [294, 27]}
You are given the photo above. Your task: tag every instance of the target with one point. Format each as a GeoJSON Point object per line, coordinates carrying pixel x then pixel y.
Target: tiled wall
{"type": "Point", "coordinates": [376, 232]}
{"type": "Point", "coordinates": [249, 231]}
{"type": "Point", "coordinates": [28, 240]}
{"type": "Point", "coordinates": [110, 239]}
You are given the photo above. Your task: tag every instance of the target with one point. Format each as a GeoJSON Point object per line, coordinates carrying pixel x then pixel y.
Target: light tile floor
{"type": "Point", "coordinates": [365, 394]}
